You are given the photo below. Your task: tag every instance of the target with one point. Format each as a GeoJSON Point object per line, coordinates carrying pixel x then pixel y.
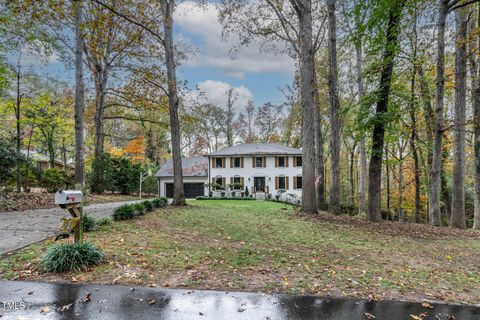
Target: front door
{"type": "Point", "coordinates": [259, 183]}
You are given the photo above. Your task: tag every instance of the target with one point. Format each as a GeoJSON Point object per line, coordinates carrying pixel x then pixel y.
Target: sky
{"type": "Point", "coordinates": [211, 69]}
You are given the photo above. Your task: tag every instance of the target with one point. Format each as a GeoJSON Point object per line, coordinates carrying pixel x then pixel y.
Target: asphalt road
{"type": "Point", "coordinates": [37, 300]}
{"type": "Point", "coordinates": [22, 228]}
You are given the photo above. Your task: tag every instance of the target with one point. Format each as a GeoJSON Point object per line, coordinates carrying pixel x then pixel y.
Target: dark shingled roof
{"type": "Point", "coordinates": [191, 167]}
{"type": "Point", "coordinates": [256, 148]}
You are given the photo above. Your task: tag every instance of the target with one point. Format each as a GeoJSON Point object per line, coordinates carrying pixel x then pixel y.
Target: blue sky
{"type": "Point", "coordinates": [252, 73]}
{"type": "Point", "coordinates": [211, 68]}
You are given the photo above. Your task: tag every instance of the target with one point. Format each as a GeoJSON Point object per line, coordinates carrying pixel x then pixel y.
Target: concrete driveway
{"type": "Point", "coordinates": [22, 228]}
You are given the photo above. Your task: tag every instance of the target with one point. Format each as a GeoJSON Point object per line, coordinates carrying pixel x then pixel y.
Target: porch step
{"type": "Point", "coordinates": [259, 195]}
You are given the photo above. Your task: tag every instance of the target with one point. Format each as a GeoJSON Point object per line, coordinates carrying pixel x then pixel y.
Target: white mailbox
{"type": "Point", "coordinates": [63, 197]}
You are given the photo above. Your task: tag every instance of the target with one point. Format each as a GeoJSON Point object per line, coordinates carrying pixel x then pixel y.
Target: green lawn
{"type": "Point", "coordinates": [266, 246]}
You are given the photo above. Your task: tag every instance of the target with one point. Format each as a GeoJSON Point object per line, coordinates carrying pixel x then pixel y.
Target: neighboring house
{"type": "Point", "coordinates": [195, 177]}
{"type": "Point", "coordinates": [261, 167]}
{"type": "Point", "coordinates": [42, 161]}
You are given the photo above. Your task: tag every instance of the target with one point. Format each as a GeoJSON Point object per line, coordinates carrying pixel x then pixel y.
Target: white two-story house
{"type": "Point", "coordinates": [260, 168]}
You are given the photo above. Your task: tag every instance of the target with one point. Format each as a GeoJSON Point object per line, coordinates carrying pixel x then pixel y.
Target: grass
{"type": "Point", "coordinates": [266, 246]}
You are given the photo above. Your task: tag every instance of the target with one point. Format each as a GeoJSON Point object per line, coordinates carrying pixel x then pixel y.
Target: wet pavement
{"type": "Point", "coordinates": [34, 300]}
{"type": "Point", "coordinates": [22, 228]}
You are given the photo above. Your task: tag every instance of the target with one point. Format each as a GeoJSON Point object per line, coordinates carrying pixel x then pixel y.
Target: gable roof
{"type": "Point", "coordinates": [256, 148]}
{"type": "Point", "coordinates": [191, 167]}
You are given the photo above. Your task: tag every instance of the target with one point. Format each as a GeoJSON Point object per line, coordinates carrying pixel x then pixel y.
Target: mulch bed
{"type": "Point", "coordinates": [395, 228]}
{"type": "Point", "coordinates": [14, 201]}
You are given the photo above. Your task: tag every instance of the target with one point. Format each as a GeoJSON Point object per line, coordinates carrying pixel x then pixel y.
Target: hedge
{"type": "Point", "coordinates": [225, 198]}
{"type": "Point", "coordinates": [130, 211]}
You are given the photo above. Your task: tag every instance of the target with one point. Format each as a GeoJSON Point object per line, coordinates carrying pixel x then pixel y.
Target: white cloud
{"type": "Point", "coordinates": [215, 92]}
{"type": "Point", "coordinates": [201, 24]}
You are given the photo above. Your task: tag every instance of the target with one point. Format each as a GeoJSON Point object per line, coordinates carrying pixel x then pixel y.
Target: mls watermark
{"type": "Point", "coordinates": [13, 305]}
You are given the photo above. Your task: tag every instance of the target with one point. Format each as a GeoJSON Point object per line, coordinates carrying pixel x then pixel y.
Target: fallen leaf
{"type": "Point", "coordinates": [74, 279]}
{"type": "Point", "coordinates": [369, 316]}
{"type": "Point", "coordinates": [152, 301]}
{"type": "Point", "coordinates": [116, 279]}
{"type": "Point", "coordinates": [414, 317]}
{"type": "Point", "coordinates": [65, 307]}
{"type": "Point", "coordinates": [44, 310]}
{"type": "Point", "coordinates": [86, 297]}
{"type": "Point", "coordinates": [427, 305]}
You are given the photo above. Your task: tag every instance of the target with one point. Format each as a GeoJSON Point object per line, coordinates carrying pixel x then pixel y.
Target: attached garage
{"type": "Point", "coordinates": [192, 190]}
{"type": "Point", "coordinates": [195, 172]}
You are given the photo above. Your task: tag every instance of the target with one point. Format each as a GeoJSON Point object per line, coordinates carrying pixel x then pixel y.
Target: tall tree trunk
{"type": "Point", "coordinates": [445, 190]}
{"type": "Point", "coordinates": [303, 9]}
{"type": "Point", "coordinates": [435, 171]}
{"type": "Point", "coordinates": [375, 169]}
{"type": "Point", "coordinates": [335, 121]}
{"type": "Point", "coordinates": [400, 185]}
{"type": "Point", "coordinates": [17, 118]}
{"type": "Point", "coordinates": [414, 134]}
{"type": "Point", "coordinates": [229, 132]}
{"type": "Point", "coordinates": [413, 147]}
{"type": "Point", "coordinates": [79, 97]}
{"type": "Point", "coordinates": [475, 76]}
{"type": "Point", "coordinates": [178, 191]}
{"type": "Point", "coordinates": [388, 173]}
{"type": "Point", "coordinates": [362, 205]}
{"type": "Point", "coordinates": [457, 217]}
{"type": "Point", "coordinates": [320, 180]}
{"type": "Point", "coordinates": [428, 113]}
{"type": "Point", "coordinates": [352, 175]}
{"type": "Point", "coordinates": [101, 80]}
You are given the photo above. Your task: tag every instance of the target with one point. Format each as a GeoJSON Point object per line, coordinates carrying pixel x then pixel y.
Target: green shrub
{"type": "Point", "coordinates": [8, 159]}
{"type": "Point", "coordinates": [89, 223]}
{"type": "Point", "coordinates": [125, 175]}
{"type": "Point", "coordinates": [71, 256]}
{"type": "Point", "coordinates": [163, 200]}
{"type": "Point", "coordinates": [101, 178]}
{"type": "Point", "coordinates": [54, 180]}
{"type": "Point", "coordinates": [125, 212]}
{"type": "Point", "coordinates": [139, 209]}
{"type": "Point", "coordinates": [148, 205]}
{"type": "Point", "coordinates": [104, 221]}
{"type": "Point", "coordinates": [159, 202]}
